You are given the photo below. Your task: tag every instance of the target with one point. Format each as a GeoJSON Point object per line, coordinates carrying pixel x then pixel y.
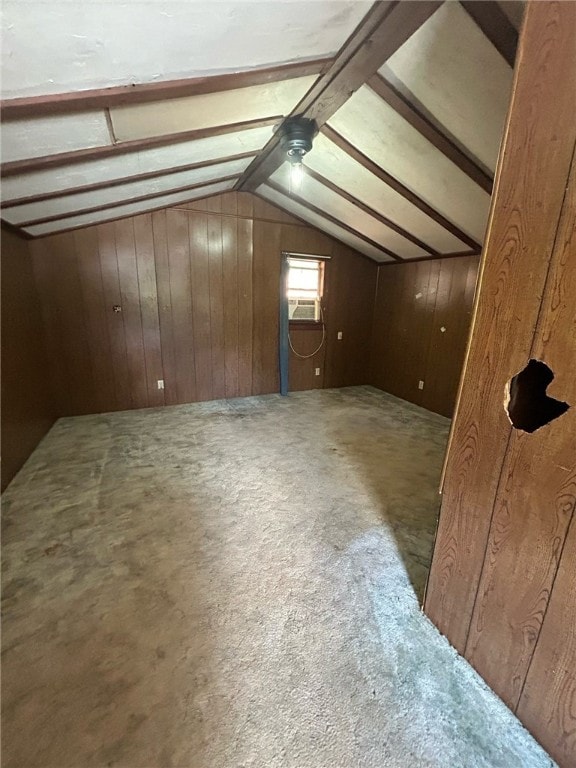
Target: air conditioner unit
{"type": "Point", "coordinates": [304, 309]}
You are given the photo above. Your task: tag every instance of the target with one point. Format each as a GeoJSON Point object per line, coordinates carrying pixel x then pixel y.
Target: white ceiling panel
{"type": "Point", "coordinates": [459, 77]}
{"type": "Point", "coordinates": [368, 123]}
{"type": "Point", "coordinates": [134, 163]}
{"type": "Point", "coordinates": [315, 193]}
{"type": "Point", "coordinates": [131, 209]}
{"type": "Point", "coordinates": [65, 206]}
{"type": "Point", "coordinates": [22, 139]}
{"type": "Point", "coordinates": [51, 47]}
{"type": "Point", "coordinates": [208, 110]}
{"type": "Point", "coordinates": [296, 209]}
{"type": "Point", "coordinates": [338, 167]}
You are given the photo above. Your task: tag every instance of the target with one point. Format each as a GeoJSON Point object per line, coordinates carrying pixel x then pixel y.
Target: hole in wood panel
{"type": "Point", "coordinates": [527, 404]}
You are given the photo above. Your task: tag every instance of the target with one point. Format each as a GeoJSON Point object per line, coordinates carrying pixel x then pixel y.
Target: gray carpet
{"type": "Point", "coordinates": [233, 585]}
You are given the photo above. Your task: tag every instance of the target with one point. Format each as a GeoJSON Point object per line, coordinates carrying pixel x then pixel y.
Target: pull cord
{"type": "Point", "coordinates": [305, 357]}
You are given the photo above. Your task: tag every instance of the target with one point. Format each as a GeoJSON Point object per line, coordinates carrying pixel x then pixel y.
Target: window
{"type": "Point", "coordinates": [305, 284]}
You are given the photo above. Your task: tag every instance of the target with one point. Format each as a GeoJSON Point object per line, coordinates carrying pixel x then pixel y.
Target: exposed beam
{"type": "Point", "coordinates": [367, 209]}
{"type": "Point", "coordinates": [496, 26]}
{"type": "Point", "coordinates": [14, 229]}
{"type": "Point", "coordinates": [432, 258]}
{"type": "Point", "coordinates": [417, 120]}
{"type": "Point", "coordinates": [380, 33]}
{"type": "Point", "coordinates": [164, 207]}
{"type": "Point", "coordinates": [140, 93]}
{"type": "Point", "coordinates": [16, 167]}
{"type": "Point", "coordinates": [17, 201]}
{"type": "Point", "coordinates": [129, 201]}
{"type": "Point", "coordinates": [319, 212]}
{"type": "Point", "coordinates": [397, 186]}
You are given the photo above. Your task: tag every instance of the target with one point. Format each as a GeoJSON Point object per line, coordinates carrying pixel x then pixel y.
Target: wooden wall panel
{"type": "Point", "coordinates": [92, 296]}
{"type": "Point", "coordinates": [244, 252]}
{"type": "Point", "coordinates": [148, 295]}
{"type": "Point", "coordinates": [529, 191]}
{"type": "Point", "coordinates": [420, 328]}
{"type": "Point", "coordinates": [547, 701]}
{"type": "Point", "coordinates": [302, 373]}
{"type": "Point", "coordinates": [28, 410]}
{"type": "Point", "coordinates": [265, 301]}
{"type": "Point", "coordinates": [536, 497]}
{"type": "Point", "coordinates": [110, 292]}
{"type": "Point", "coordinates": [198, 287]}
{"type": "Point", "coordinates": [501, 584]}
{"type": "Point", "coordinates": [351, 289]}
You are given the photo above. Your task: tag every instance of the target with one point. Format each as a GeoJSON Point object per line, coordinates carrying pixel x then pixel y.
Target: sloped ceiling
{"type": "Point", "coordinates": [110, 110]}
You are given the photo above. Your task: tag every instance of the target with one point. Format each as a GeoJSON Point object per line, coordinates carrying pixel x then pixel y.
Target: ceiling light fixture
{"type": "Point", "coordinates": [296, 134]}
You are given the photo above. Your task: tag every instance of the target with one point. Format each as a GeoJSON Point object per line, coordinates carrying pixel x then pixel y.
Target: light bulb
{"type": "Point", "coordinates": [296, 174]}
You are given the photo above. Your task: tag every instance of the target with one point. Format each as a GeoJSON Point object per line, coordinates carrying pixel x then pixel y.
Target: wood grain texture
{"type": "Point", "coordinates": [547, 703]}
{"type": "Point", "coordinates": [302, 374]}
{"type": "Point", "coordinates": [349, 304]}
{"type": "Point", "coordinates": [198, 288]}
{"type": "Point", "coordinates": [28, 408]}
{"type": "Point", "coordinates": [529, 191]}
{"type": "Point", "coordinates": [414, 303]}
{"type": "Point", "coordinates": [535, 500]}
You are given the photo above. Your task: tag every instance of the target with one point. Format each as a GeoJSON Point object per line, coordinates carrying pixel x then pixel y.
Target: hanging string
{"type": "Point", "coordinates": [305, 357]}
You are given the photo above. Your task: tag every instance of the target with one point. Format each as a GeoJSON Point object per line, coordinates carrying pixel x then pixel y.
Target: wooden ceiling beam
{"type": "Point", "coordinates": [459, 255]}
{"type": "Point", "coordinates": [17, 167]}
{"type": "Point", "coordinates": [380, 33]}
{"type": "Point", "coordinates": [496, 26]}
{"type": "Point", "coordinates": [397, 186]}
{"type": "Point", "coordinates": [30, 236]}
{"type": "Point", "coordinates": [119, 181]}
{"type": "Point", "coordinates": [417, 120]}
{"type": "Point", "coordinates": [141, 93]}
{"type": "Point", "coordinates": [319, 212]}
{"type": "Point", "coordinates": [118, 203]}
{"type": "Point", "coordinates": [370, 211]}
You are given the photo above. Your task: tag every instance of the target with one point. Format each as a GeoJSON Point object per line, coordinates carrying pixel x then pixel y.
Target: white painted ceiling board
{"type": "Point", "coordinates": [159, 118]}
{"type": "Point", "coordinates": [22, 139]}
{"type": "Point", "coordinates": [134, 163]}
{"type": "Point", "coordinates": [459, 77]}
{"type": "Point", "coordinates": [131, 209]}
{"type": "Point", "coordinates": [65, 206]}
{"type": "Point", "coordinates": [338, 167]}
{"type": "Point", "coordinates": [315, 193]}
{"type": "Point", "coordinates": [368, 123]}
{"type": "Point", "coordinates": [295, 208]}
{"type": "Point", "coordinates": [52, 47]}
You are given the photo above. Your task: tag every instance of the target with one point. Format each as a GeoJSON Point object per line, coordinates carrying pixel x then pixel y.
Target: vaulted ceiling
{"type": "Point", "coordinates": [109, 110]}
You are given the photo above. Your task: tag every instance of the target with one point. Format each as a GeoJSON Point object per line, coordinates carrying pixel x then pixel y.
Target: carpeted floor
{"type": "Point", "coordinates": [232, 585]}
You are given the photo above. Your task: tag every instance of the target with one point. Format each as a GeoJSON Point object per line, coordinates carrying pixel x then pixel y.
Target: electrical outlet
{"type": "Point", "coordinates": [317, 372]}
{"type": "Point", "coordinates": [420, 385]}
{"type": "Point", "coordinates": [339, 335]}
{"type": "Point", "coordinates": [160, 383]}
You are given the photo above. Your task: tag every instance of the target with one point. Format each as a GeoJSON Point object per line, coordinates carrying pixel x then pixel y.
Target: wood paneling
{"type": "Point", "coordinates": [198, 289]}
{"type": "Point", "coordinates": [529, 191]}
{"type": "Point", "coordinates": [302, 375]}
{"type": "Point", "coordinates": [27, 408]}
{"type": "Point", "coordinates": [421, 322]}
{"type": "Point", "coordinates": [502, 580]}
{"type": "Point", "coordinates": [349, 303]}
